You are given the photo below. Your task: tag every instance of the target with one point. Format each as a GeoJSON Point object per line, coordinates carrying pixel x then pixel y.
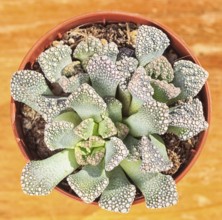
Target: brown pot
{"type": "Point", "coordinates": [103, 17]}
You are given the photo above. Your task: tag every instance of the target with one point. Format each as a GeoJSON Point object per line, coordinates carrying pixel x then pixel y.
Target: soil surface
{"type": "Point", "coordinates": [180, 152]}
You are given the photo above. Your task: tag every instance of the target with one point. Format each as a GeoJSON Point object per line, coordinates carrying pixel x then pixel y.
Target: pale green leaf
{"type": "Point", "coordinates": [116, 151]}
{"type": "Point", "coordinates": [189, 77]}
{"type": "Point", "coordinates": [161, 69]}
{"type": "Point", "coordinates": [159, 190]}
{"type": "Point", "coordinates": [152, 117]}
{"type": "Point", "coordinates": [41, 176]}
{"type": "Point", "coordinates": [87, 103]}
{"type": "Point", "coordinates": [119, 194]}
{"type": "Point", "coordinates": [104, 75]}
{"type": "Point", "coordinates": [187, 119]}
{"type": "Point", "coordinates": [89, 182]}
{"type": "Point", "coordinates": [107, 128]}
{"type": "Point", "coordinates": [53, 60]}
{"type": "Point", "coordinates": [151, 42]}
{"type": "Point", "coordinates": [86, 128]}
{"type": "Point", "coordinates": [60, 134]}
{"type": "Point", "coordinates": [154, 155]}
{"type": "Point", "coordinates": [163, 91]}
{"type": "Point", "coordinates": [114, 107]}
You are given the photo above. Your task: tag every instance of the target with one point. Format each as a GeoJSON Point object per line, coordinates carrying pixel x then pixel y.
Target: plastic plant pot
{"type": "Point", "coordinates": [110, 17]}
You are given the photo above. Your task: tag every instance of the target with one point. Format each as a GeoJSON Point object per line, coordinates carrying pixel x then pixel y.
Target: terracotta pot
{"type": "Point", "coordinates": [106, 17]}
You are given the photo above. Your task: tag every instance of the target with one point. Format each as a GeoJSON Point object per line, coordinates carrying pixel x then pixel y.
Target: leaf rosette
{"type": "Point", "coordinates": [107, 126]}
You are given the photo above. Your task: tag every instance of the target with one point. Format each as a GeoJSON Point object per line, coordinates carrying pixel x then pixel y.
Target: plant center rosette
{"type": "Point", "coordinates": [108, 123]}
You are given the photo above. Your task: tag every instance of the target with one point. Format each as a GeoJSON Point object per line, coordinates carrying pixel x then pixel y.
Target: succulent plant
{"type": "Point", "coordinates": [107, 125]}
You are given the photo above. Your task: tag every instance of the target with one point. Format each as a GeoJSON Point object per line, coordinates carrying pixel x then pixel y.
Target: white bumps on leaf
{"type": "Point", "coordinates": [163, 91]}
{"type": "Point", "coordinates": [40, 177]}
{"type": "Point", "coordinates": [132, 145]}
{"type": "Point", "coordinates": [50, 107]}
{"type": "Point", "coordinates": [152, 117]}
{"type": "Point", "coordinates": [150, 44]}
{"type": "Point", "coordinates": [91, 151]}
{"type": "Point", "coordinates": [30, 88]}
{"type": "Point", "coordinates": [87, 48]}
{"type": "Point", "coordinates": [59, 135]}
{"type": "Point", "coordinates": [119, 194]}
{"type": "Point", "coordinates": [53, 60]}
{"type": "Point", "coordinates": [89, 182]}
{"type": "Point", "coordinates": [110, 50]}
{"type": "Point", "coordinates": [187, 119]}
{"type": "Point", "coordinates": [190, 77]}
{"type": "Point", "coordinates": [154, 157]}
{"type": "Point", "coordinates": [140, 88]}
{"type": "Point", "coordinates": [86, 128]}
{"type": "Point", "coordinates": [122, 130]}
{"type": "Point", "coordinates": [27, 84]}
{"type": "Point", "coordinates": [107, 128]}
{"type": "Point", "coordinates": [116, 151]}
{"type": "Point", "coordinates": [139, 85]}
{"type": "Point", "coordinates": [104, 75]}
{"type": "Point", "coordinates": [87, 103]}
{"type": "Point", "coordinates": [161, 69]}
{"type": "Point", "coordinates": [159, 190]}
{"type": "Point", "coordinates": [127, 65]}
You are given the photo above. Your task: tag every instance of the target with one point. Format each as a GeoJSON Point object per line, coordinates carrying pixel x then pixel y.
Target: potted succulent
{"type": "Point", "coordinates": [107, 94]}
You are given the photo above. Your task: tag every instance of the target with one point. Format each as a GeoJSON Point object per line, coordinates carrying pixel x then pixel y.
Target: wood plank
{"type": "Point", "coordinates": [197, 22]}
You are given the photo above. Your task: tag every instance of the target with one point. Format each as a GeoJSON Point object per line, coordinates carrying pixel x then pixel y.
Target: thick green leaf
{"type": "Point", "coordinates": [69, 116]}
{"type": "Point", "coordinates": [27, 86]}
{"type": "Point", "coordinates": [161, 69]}
{"type": "Point", "coordinates": [159, 190]}
{"type": "Point", "coordinates": [119, 194]}
{"type": "Point", "coordinates": [132, 145]}
{"type": "Point", "coordinates": [127, 65]}
{"type": "Point", "coordinates": [89, 182]}
{"type": "Point", "coordinates": [189, 77]}
{"type": "Point", "coordinates": [150, 44]}
{"type": "Point", "coordinates": [60, 134]}
{"type": "Point", "coordinates": [187, 119]}
{"type": "Point", "coordinates": [91, 151]}
{"type": "Point", "coordinates": [86, 128]}
{"type": "Point", "coordinates": [107, 128]}
{"type": "Point", "coordinates": [140, 89]}
{"type": "Point", "coordinates": [116, 151]}
{"type": "Point", "coordinates": [163, 91]}
{"type": "Point", "coordinates": [154, 155]}
{"type": "Point", "coordinates": [41, 176]}
{"type": "Point", "coordinates": [152, 117]}
{"type": "Point", "coordinates": [87, 48]}
{"type": "Point", "coordinates": [87, 103]}
{"type": "Point", "coordinates": [50, 106]}
{"type": "Point", "coordinates": [104, 75]}
{"type": "Point", "coordinates": [122, 130]}
{"type": "Point", "coordinates": [71, 84]}
{"type": "Point", "coordinates": [124, 96]}
{"type": "Point", "coordinates": [114, 107]}
{"type": "Point", "coordinates": [53, 60]}
{"type": "Point", "coordinates": [110, 50]}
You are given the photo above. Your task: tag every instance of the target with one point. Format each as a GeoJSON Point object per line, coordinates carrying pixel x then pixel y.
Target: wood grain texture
{"type": "Point", "coordinates": [197, 22]}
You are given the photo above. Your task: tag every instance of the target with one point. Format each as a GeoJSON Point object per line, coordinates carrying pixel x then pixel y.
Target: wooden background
{"type": "Point", "coordinates": [198, 22]}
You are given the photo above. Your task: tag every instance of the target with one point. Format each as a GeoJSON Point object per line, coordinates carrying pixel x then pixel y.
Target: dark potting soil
{"type": "Point", "coordinates": [180, 152]}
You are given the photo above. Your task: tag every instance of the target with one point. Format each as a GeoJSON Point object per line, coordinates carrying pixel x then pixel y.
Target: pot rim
{"type": "Point", "coordinates": [104, 17]}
